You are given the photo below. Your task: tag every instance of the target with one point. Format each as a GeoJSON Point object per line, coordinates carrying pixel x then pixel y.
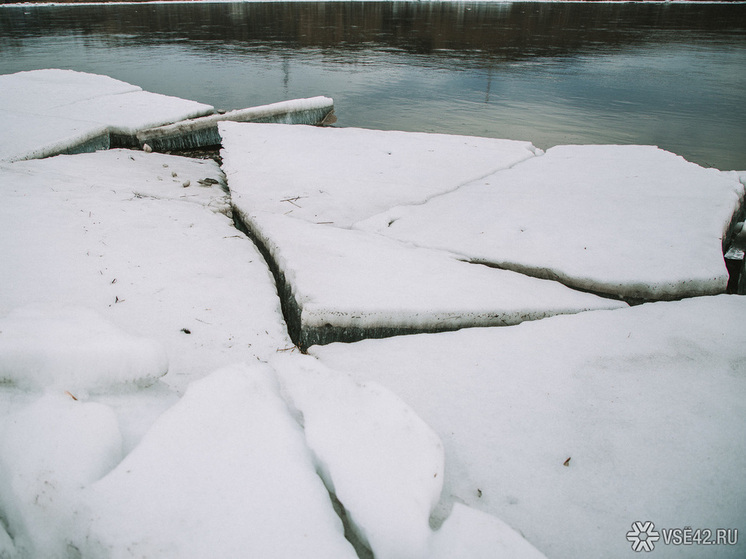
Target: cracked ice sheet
{"type": "Point", "coordinates": [385, 465]}
{"type": "Point", "coordinates": [116, 232]}
{"type": "Point", "coordinates": [632, 221]}
{"type": "Point", "coordinates": [646, 402]}
{"type": "Point", "coordinates": [381, 461]}
{"type": "Point", "coordinates": [357, 279]}
{"type": "Point", "coordinates": [51, 111]}
{"type": "Point", "coordinates": [223, 473]}
{"type": "Point", "coordinates": [343, 175]}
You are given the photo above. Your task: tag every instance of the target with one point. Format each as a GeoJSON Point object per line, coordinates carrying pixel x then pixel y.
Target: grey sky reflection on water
{"type": "Point", "coordinates": [613, 73]}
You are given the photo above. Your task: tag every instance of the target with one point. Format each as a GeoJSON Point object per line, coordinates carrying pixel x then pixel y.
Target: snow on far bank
{"type": "Point", "coordinates": [363, 285]}
{"type": "Point", "coordinates": [46, 112]}
{"type": "Point", "coordinates": [343, 175]}
{"type": "Point", "coordinates": [223, 473]}
{"type": "Point", "coordinates": [119, 233]}
{"type": "Point", "coordinates": [630, 221]}
{"type": "Point", "coordinates": [574, 427]}
{"type": "Point", "coordinates": [74, 349]}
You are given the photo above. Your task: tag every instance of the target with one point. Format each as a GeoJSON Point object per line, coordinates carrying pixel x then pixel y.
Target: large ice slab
{"type": "Point", "coordinates": [344, 285]}
{"type": "Point", "coordinates": [574, 427]}
{"type": "Point", "coordinates": [224, 473]}
{"type": "Point", "coordinates": [343, 175]}
{"type": "Point", "coordinates": [119, 233]}
{"type": "Point", "coordinates": [47, 112]}
{"type": "Point", "coordinates": [631, 221]}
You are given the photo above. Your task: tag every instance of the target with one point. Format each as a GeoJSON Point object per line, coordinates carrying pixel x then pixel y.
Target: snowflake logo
{"type": "Point", "coordinates": [643, 536]}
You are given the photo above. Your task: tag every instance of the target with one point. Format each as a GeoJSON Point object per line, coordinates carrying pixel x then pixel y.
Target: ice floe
{"type": "Point", "coordinates": [46, 112]}
{"type": "Point", "coordinates": [571, 428]}
{"type": "Point", "coordinates": [343, 285]}
{"type": "Point", "coordinates": [119, 233]}
{"type": "Point", "coordinates": [631, 221]}
{"type": "Point", "coordinates": [382, 462]}
{"type": "Point", "coordinates": [344, 175]}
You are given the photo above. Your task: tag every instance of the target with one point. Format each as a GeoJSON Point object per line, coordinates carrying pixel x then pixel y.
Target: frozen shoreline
{"type": "Point", "coordinates": [145, 363]}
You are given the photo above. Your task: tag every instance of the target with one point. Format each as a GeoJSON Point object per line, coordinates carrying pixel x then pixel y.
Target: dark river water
{"type": "Point", "coordinates": [668, 74]}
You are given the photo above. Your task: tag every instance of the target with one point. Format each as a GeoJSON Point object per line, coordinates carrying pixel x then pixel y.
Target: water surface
{"type": "Point", "coordinates": [671, 75]}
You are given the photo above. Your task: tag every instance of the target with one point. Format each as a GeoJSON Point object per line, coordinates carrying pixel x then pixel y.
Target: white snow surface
{"type": "Point", "coordinates": [223, 473]}
{"type": "Point", "coordinates": [356, 279]}
{"type": "Point", "coordinates": [45, 112]}
{"type": "Point", "coordinates": [645, 405]}
{"type": "Point", "coordinates": [49, 450]}
{"type": "Point", "coordinates": [118, 233]}
{"type": "Point", "coordinates": [383, 463]}
{"type": "Point", "coordinates": [632, 221]}
{"type": "Point", "coordinates": [344, 175]}
{"type": "Point", "coordinates": [74, 349]}
{"type": "Point", "coordinates": [471, 533]}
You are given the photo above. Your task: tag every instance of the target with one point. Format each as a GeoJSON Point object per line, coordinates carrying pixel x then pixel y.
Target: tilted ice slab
{"type": "Point", "coordinates": [33, 135]}
{"type": "Point", "coordinates": [644, 406]}
{"type": "Point", "coordinates": [203, 131]}
{"type": "Point", "coordinates": [223, 473]}
{"type": "Point", "coordinates": [119, 233]}
{"type": "Point", "coordinates": [74, 349]}
{"type": "Point", "coordinates": [631, 221]}
{"type": "Point", "coordinates": [46, 112]}
{"type": "Point", "coordinates": [339, 284]}
{"type": "Point", "coordinates": [382, 462]}
{"type": "Point", "coordinates": [343, 175]}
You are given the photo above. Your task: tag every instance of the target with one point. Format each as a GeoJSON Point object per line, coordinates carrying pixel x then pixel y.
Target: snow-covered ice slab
{"type": "Point", "coordinates": [382, 462]}
{"type": "Point", "coordinates": [224, 473]}
{"type": "Point", "coordinates": [46, 112]}
{"type": "Point", "coordinates": [574, 427]}
{"type": "Point", "coordinates": [33, 136]}
{"type": "Point", "coordinates": [343, 175]}
{"type": "Point", "coordinates": [630, 221]}
{"type": "Point", "coordinates": [74, 349]}
{"type": "Point", "coordinates": [127, 113]}
{"type": "Point", "coordinates": [40, 90]}
{"type": "Point", "coordinates": [344, 285]}
{"type": "Point", "coordinates": [119, 233]}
